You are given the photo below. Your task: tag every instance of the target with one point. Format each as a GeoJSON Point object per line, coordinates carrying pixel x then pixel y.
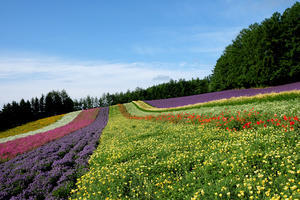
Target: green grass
{"type": "Point", "coordinates": [139, 159]}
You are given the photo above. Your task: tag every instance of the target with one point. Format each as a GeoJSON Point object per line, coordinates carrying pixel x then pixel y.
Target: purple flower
{"type": "Point", "coordinates": [53, 166]}
{"type": "Point", "coordinates": [201, 98]}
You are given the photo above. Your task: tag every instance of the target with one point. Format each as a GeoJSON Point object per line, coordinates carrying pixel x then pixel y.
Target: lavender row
{"type": "Point", "coordinates": [200, 98]}
{"type": "Point", "coordinates": [50, 171]}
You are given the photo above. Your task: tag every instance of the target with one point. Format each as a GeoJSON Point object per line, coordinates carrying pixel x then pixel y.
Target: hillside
{"type": "Point", "coordinates": [200, 152]}
{"type": "Point", "coordinates": [197, 154]}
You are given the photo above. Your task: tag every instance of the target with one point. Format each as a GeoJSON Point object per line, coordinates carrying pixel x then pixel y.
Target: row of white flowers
{"type": "Point", "coordinates": [63, 121]}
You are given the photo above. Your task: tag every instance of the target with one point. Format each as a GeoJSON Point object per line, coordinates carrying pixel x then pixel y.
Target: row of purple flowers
{"type": "Point", "coordinates": [201, 98]}
{"type": "Point", "coordinates": [50, 171]}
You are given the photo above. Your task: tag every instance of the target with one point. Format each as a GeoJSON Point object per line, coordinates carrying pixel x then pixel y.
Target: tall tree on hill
{"type": "Point", "coordinates": [58, 102]}
{"type": "Point", "coordinates": [67, 102]}
{"type": "Point", "coordinates": [49, 103]}
{"type": "Point", "coordinates": [291, 49]}
{"type": "Point", "coordinates": [6, 116]}
{"type": "Point", "coordinates": [262, 55]}
{"type": "Point", "coordinates": [35, 106]}
{"type": "Point", "coordinates": [42, 104]}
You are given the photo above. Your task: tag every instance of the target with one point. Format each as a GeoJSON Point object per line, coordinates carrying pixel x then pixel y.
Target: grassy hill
{"type": "Point", "coordinates": [240, 148]}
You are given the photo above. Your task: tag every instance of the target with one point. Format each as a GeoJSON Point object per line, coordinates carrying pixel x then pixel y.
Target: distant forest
{"type": "Point", "coordinates": [264, 54]}
{"type": "Point", "coordinates": [54, 103]}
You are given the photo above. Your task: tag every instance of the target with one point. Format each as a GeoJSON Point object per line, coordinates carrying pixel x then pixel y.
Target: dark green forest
{"type": "Point", "coordinates": [54, 103]}
{"type": "Point", "coordinates": [264, 54]}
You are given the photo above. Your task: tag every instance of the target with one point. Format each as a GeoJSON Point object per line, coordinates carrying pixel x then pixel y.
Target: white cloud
{"type": "Point", "coordinates": [30, 77]}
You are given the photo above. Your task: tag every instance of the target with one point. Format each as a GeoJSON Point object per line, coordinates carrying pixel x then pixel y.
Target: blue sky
{"type": "Point", "coordinates": [92, 47]}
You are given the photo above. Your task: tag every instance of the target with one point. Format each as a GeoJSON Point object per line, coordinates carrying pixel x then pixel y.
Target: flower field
{"type": "Point", "coordinates": [236, 148]}
{"type": "Point", "coordinates": [66, 118]}
{"type": "Point", "coordinates": [146, 159]}
{"type": "Point", "coordinates": [18, 146]}
{"type": "Point", "coordinates": [227, 120]}
{"type": "Point", "coordinates": [31, 126]}
{"type": "Point", "coordinates": [282, 107]}
{"type": "Point", "coordinates": [50, 171]}
{"type": "Point", "coordinates": [282, 113]}
{"type": "Point", "coordinates": [182, 101]}
{"type": "Point", "coordinates": [287, 95]}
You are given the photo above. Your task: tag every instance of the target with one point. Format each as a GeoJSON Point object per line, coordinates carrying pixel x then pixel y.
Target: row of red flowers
{"type": "Point", "coordinates": [228, 120]}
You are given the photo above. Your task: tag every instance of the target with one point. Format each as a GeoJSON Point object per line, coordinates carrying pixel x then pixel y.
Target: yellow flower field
{"type": "Point", "coordinates": [139, 159]}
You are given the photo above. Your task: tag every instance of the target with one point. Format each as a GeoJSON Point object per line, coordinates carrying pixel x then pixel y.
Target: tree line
{"type": "Point", "coordinates": [264, 54]}
{"type": "Point", "coordinates": [173, 88]}
{"type": "Point", "coordinates": [17, 113]}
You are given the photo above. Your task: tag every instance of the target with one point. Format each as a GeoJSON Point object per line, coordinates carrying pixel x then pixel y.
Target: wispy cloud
{"type": "Point", "coordinates": [30, 77]}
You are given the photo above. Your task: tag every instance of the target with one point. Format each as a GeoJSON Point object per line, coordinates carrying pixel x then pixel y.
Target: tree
{"type": "Point", "coordinates": [263, 54]}
{"type": "Point", "coordinates": [67, 102]}
{"type": "Point", "coordinates": [42, 104]}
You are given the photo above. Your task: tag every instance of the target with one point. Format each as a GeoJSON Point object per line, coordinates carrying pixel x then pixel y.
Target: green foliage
{"type": "Point", "coordinates": [262, 55]}
{"type": "Point", "coordinates": [63, 191]}
{"type": "Point", "coordinates": [58, 102]}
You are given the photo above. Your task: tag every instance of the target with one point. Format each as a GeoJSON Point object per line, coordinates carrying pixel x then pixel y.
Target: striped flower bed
{"type": "Point", "coordinates": [67, 118]}
{"type": "Point", "coordinates": [50, 171]}
{"type": "Point", "coordinates": [31, 126]}
{"type": "Point", "coordinates": [294, 94]}
{"type": "Point", "coordinates": [201, 98]}
{"type": "Point", "coordinates": [10, 149]}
